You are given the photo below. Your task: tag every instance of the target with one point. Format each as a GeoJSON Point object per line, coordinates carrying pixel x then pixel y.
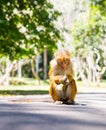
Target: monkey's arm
{"type": "Point", "coordinates": [56, 78]}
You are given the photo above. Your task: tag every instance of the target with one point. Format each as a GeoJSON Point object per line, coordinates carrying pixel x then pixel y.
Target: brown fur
{"type": "Point", "coordinates": [62, 84]}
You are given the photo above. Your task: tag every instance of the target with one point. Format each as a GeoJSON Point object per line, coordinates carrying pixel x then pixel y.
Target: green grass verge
{"type": "Point", "coordinates": [23, 92]}
{"type": "Point", "coordinates": [25, 86]}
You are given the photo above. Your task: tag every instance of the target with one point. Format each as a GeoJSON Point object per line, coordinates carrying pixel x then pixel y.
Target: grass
{"type": "Point", "coordinates": [23, 92]}
{"type": "Point", "coordinates": [27, 86]}
{"type": "Point", "coordinates": [102, 84]}
{"type": "Point", "coordinates": [91, 87]}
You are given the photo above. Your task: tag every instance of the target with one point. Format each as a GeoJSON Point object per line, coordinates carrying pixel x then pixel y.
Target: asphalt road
{"type": "Point", "coordinates": [40, 113]}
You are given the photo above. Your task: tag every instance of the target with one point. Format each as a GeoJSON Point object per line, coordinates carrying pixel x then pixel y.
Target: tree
{"type": "Point", "coordinates": [26, 26]}
{"type": "Point", "coordinates": [89, 39]}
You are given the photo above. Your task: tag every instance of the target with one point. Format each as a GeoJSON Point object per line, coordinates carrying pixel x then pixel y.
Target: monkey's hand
{"type": "Point", "coordinates": [61, 79]}
{"type": "Point", "coordinates": [58, 79]}
{"type": "Point", "coordinates": [65, 80]}
{"type": "Point", "coordinates": [59, 87]}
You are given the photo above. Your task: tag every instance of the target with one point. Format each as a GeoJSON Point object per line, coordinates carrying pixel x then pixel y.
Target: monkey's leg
{"type": "Point", "coordinates": [71, 92]}
{"type": "Point", "coordinates": [54, 92]}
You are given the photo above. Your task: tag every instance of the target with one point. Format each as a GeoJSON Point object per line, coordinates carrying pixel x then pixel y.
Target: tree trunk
{"type": "Point", "coordinates": [19, 69]}
{"type": "Point", "coordinates": [33, 69]}
{"type": "Point", "coordinates": [45, 63]}
{"type": "Point", "coordinates": [6, 76]}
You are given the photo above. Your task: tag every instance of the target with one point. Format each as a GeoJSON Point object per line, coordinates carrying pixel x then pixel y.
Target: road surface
{"type": "Point", "coordinates": [40, 113]}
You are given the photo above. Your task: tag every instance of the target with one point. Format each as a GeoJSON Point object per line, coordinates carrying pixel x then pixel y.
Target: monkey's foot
{"type": "Point", "coordinates": [58, 102]}
{"type": "Point", "coordinates": [70, 102]}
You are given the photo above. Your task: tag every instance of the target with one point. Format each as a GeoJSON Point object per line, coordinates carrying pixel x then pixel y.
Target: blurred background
{"type": "Point", "coordinates": [31, 30]}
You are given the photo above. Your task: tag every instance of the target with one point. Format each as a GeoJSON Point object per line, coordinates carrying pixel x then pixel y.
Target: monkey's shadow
{"type": "Point", "coordinates": [75, 104]}
{"type": "Point", "coordinates": [79, 104]}
{"type": "Point", "coordinates": [64, 103]}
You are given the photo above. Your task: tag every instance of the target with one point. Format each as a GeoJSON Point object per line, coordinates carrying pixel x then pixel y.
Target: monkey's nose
{"type": "Point", "coordinates": [64, 66]}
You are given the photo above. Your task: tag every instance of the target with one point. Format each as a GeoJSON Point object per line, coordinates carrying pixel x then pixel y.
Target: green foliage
{"type": "Point", "coordinates": [27, 26]}
{"type": "Point", "coordinates": [89, 40]}
{"type": "Point", "coordinates": [89, 34]}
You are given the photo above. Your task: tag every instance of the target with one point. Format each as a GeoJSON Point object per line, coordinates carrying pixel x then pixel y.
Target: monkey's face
{"type": "Point", "coordinates": [63, 63]}
{"type": "Point", "coordinates": [63, 58]}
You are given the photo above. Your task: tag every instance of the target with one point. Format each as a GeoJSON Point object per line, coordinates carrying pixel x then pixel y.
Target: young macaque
{"type": "Point", "coordinates": [63, 87]}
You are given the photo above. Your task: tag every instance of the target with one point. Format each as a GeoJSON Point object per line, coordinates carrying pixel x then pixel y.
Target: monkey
{"type": "Point", "coordinates": [63, 87]}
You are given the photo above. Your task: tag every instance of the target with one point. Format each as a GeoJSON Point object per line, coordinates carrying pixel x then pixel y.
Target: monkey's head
{"type": "Point", "coordinates": [63, 58]}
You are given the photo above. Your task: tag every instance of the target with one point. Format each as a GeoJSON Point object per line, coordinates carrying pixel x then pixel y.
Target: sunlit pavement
{"type": "Point", "coordinates": [40, 113]}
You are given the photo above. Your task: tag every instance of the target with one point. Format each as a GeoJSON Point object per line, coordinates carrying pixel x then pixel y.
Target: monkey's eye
{"type": "Point", "coordinates": [63, 62]}
{"type": "Point", "coordinates": [67, 61]}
